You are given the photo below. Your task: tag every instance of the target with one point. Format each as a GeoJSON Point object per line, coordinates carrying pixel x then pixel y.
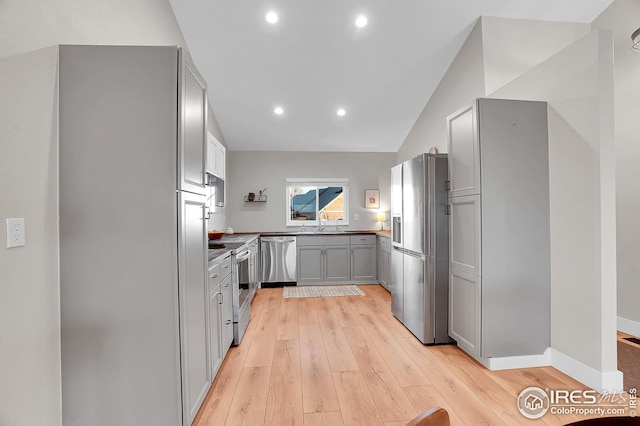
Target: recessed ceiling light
{"type": "Point", "coordinates": [361, 21]}
{"type": "Point", "coordinates": [341, 112]}
{"type": "Point", "coordinates": [278, 110]}
{"type": "Point", "coordinates": [272, 17]}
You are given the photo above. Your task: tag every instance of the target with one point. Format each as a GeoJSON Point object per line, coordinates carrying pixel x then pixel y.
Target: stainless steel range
{"type": "Point", "coordinates": [243, 281]}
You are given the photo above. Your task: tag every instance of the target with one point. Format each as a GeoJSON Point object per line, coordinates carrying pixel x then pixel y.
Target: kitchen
{"type": "Point", "coordinates": [30, 66]}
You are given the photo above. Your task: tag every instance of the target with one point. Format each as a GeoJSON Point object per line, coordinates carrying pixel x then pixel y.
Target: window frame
{"type": "Point", "coordinates": [317, 183]}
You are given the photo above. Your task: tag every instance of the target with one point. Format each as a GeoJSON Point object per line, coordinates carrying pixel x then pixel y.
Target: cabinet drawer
{"type": "Point", "coordinates": [227, 293]}
{"type": "Point", "coordinates": [363, 239]}
{"type": "Point", "coordinates": [225, 267]}
{"type": "Point", "coordinates": [214, 278]}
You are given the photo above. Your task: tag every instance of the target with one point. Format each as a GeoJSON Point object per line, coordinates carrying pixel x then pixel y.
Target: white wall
{"type": "Point", "coordinates": [623, 17]}
{"type": "Point", "coordinates": [582, 196]}
{"type": "Point", "coordinates": [30, 31]}
{"type": "Point", "coordinates": [253, 171]}
{"type": "Point", "coordinates": [463, 82]}
{"type": "Point", "coordinates": [492, 63]}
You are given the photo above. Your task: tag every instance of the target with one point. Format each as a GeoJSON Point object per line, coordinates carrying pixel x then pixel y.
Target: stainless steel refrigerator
{"type": "Point", "coordinates": [420, 237]}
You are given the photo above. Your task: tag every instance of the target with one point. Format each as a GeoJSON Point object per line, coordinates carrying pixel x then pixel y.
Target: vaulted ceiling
{"type": "Point", "coordinates": [315, 60]}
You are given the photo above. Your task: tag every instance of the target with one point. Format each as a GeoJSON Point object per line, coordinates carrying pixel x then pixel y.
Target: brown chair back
{"type": "Point", "coordinates": [435, 417]}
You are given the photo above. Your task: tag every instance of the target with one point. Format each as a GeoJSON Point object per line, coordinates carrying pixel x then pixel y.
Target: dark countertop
{"type": "Point", "coordinates": [325, 232]}
{"type": "Point", "coordinates": [246, 237]}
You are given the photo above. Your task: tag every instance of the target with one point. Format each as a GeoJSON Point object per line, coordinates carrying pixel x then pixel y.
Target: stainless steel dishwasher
{"type": "Point", "coordinates": [278, 259]}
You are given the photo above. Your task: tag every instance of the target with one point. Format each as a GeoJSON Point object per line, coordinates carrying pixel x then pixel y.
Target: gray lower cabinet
{"type": "Point", "coordinates": [363, 258]}
{"type": "Point", "coordinates": [215, 327]}
{"type": "Point", "coordinates": [220, 313]}
{"type": "Point", "coordinates": [336, 259]}
{"type": "Point", "coordinates": [384, 260]}
{"type": "Point", "coordinates": [323, 259]}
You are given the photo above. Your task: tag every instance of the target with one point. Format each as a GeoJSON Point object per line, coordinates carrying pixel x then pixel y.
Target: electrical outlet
{"type": "Point", "coordinates": [356, 217]}
{"type": "Point", "coordinates": [15, 232]}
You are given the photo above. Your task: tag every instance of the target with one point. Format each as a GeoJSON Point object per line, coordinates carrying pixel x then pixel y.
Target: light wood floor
{"type": "Point", "coordinates": [348, 361]}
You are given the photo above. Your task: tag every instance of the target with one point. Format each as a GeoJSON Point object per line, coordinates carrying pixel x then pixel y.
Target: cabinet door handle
{"type": "Point", "coordinates": [227, 322]}
{"type": "Point", "coordinates": [214, 276]}
{"type": "Point", "coordinates": [221, 302]}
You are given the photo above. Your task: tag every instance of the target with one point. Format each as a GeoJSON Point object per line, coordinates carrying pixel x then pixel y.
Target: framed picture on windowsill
{"type": "Point", "coordinates": [372, 198]}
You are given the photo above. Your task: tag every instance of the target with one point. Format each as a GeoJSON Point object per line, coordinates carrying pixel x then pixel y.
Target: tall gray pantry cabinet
{"type": "Point", "coordinates": [133, 249]}
{"type": "Point", "coordinates": [499, 228]}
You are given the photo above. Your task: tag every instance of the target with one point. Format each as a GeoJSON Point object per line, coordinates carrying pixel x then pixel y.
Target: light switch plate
{"type": "Point", "coordinates": [15, 232]}
{"type": "Point", "coordinates": [356, 217]}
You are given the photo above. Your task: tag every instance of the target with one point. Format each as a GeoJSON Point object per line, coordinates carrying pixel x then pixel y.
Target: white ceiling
{"type": "Point", "coordinates": [315, 60]}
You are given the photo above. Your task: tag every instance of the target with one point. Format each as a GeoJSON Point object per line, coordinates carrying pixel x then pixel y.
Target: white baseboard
{"type": "Point", "coordinates": [527, 361]}
{"type": "Point", "coordinates": [602, 382]}
{"type": "Point", "coordinates": [629, 326]}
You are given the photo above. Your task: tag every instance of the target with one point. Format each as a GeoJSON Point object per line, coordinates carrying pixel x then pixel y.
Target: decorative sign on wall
{"type": "Point", "coordinates": [372, 198]}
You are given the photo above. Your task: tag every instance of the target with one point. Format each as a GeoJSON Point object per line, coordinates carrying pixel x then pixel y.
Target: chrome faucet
{"type": "Point", "coordinates": [323, 213]}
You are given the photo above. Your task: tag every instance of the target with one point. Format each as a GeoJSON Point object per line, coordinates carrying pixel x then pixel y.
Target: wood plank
{"type": "Point", "coordinates": [307, 312]}
{"type": "Point", "coordinates": [263, 344]}
{"type": "Point", "coordinates": [356, 404]}
{"type": "Point", "coordinates": [288, 320]}
{"type": "Point", "coordinates": [380, 344]}
{"type": "Point", "coordinates": [318, 390]}
{"type": "Point", "coordinates": [346, 316]}
{"type": "Point", "coordinates": [249, 402]}
{"type": "Point", "coordinates": [256, 308]}
{"type": "Point", "coordinates": [502, 402]}
{"type": "Point", "coordinates": [469, 407]}
{"type": "Point", "coordinates": [284, 400]}
{"type": "Point", "coordinates": [338, 350]}
{"type": "Point", "coordinates": [392, 403]}
{"type": "Point", "coordinates": [324, 418]}
{"type": "Point", "coordinates": [402, 366]}
{"type": "Point", "coordinates": [427, 397]}
{"type": "Point", "coordinates": [218, 401]}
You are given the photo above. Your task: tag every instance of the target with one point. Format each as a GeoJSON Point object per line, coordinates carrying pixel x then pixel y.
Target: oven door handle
{"type": "Point", "coordinates": [243, 256]}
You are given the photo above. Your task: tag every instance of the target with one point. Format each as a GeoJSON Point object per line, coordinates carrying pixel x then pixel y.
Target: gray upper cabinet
{"type": "Point", "coordinates": [464, 154]}
{"type": "Point", "coordinates": [192, 136]}
{"type": "Point", "coordinates": [499, 228]}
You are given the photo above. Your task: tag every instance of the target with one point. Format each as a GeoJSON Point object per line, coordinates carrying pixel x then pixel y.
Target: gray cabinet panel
{"type": "Point", "coordinates": [464, 231]}
{"type": "Point", "coordinates": [363, 262]}
{"type": "Point", "coordinates": [310, 264]}
{"type": "Point", "coordinates": [384, 261]}
{"type": "Point", "coordinates": [192, 138]}
{"type": "Point", "coordinates": [193, 297]}
{"type": "Point", "coordinates": [464, 157]}
{"type": "Point", "coordinates": [215, 329]}
{"type": "Point", "coordinates": [464, 311]}
{"type": "Point", "coordinates": [336, 265]}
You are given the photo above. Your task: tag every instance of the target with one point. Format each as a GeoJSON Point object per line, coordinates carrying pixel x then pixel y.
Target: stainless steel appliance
{"type": "Point", "coordinates": [420, 237]}
{"type": "Point", "coordinates": [278, 259]}
{"type": "Point", "coordinates": [244, 279]}
{"type": "Point", "coordinates": [242, 295]}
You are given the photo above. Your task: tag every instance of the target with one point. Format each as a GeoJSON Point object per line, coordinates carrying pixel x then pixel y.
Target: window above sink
{"type": "Point", "coordinates": [317, 202]}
